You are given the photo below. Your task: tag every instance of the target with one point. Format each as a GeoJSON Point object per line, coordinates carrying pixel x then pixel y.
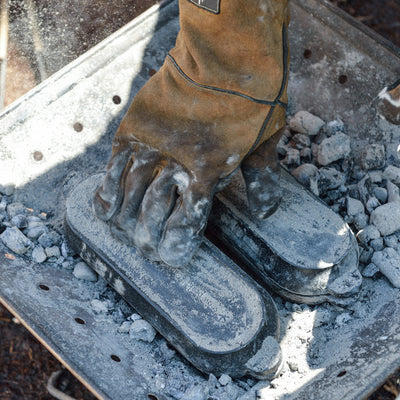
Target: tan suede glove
{"type": "Point", "coordinates": [218, 98]}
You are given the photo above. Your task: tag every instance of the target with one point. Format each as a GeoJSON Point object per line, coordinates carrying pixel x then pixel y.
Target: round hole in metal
{"type": "Point", "coordinates": [78, 127]}
{"type": "Point", "coordinates": [307, 53]}
{"type": "Point", "coordinates": [116, 99]}
{"type": "Point", "coordinates": [37, 155]}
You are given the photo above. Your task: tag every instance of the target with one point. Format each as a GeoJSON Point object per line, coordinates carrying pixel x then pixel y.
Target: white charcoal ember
{"type": "Point", "coordinates": [19, 221]}
{"type": "Point", "coordinates": [49, 239]}
{"type": "Point", "coordinates": [33, 221]}
{"type": "Point", "coordinates": [125, 327]}
{"type": "Point", "coordinates": [7, 190]}
{"type": "Point", "coordinates": [333, 127]}
{"type": "Point", "coordinates": [393, 192]}
{"type": "Point", "coordinates": [333, 148]}
{"type": "Point", "coordinates": [330, 178]}
{"type": "Point", "coordinates": [100, 306]}
{"type": "Point", "coordinates": [142, 330]}
{"type": "Point", "coordinates": [387, 218]}
{"type": "Point", "coordinates": [308, 175]}
{"type": "Point", "coordinates": [381, 194]}
{"type": "Point", "coordinates": [354, 206]}
{"type": "Point", "coordinates": [366, 255]}
{"type": "Point", "coordinates": [16, 241]}
{"type": "Point", "coordinates": [392, 173]}
{"type": "Point", "coordinates": [360, 220]}
{"type": "Point", "coordinates": [36, 231]}
{"type": "Point", "coordinates": [377, 244]}
{"type": "Point", "coordinates": [306, 123]}
{"type": "Point", "coordinates": [388, 262]}
{"type": "Point", "coordinates": [372, 203]}
{"type": "Point", "coordinates": [301, 140]}
{"type": "Point", "coordinates": [373, 156]}
{"type": "Point", "coordinates": [305, 172]}
{"type": "Point", "coordinates": [391, 241]}
{"type": "Point", "coordinates": [292, 157]}
{"type": "Point", "coordinates": [35, 227]}
{"type": "Point", "coordinates": [14, 209]}
{"type": "Point", "coordinates": [67, 264]}
{"type": "Point", "coordinates": [53, 252]}
{"type": "Point", "coordinates": [306, 154]}
{"type": "Point", "coordinates": [370, 271]}
{"type": "Point", "coordinates": [84, 272]}
{"type": "Point", "coordinates": [225, 380]}
{"type": "Point", "coordinates": [39, 255]}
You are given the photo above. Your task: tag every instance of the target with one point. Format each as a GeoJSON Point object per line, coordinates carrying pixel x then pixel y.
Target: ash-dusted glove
{"type": "Point", "coordinates": [389, 103]}
{"type": "Point", "coordinates": [218, 98]}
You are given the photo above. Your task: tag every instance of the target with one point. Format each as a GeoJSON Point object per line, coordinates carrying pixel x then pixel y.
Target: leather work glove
{"type": "Point", "coordinates": [389, 103]}
{"type": "Point", "coordinates": [215, 106]}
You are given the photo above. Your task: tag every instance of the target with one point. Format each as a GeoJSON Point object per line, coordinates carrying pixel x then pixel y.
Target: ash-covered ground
{"type": "Point", "coordinates": [319, 154]}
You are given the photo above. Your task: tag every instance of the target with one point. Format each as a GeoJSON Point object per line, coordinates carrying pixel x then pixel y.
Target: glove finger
{"type": "Point", "coordinates": [108, 196]}
{"type": "Point", "coordinates": [136, 181]}
{"type": "Point", "coordinates": [157, 205]}
{"type": "Point", "coordinates": [261, 173]}
{"type": "Point", "coordinates": [184, 229]}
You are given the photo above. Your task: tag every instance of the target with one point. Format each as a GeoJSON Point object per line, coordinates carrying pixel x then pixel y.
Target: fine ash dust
{"type": "Point", "coordinates": [309, 334]}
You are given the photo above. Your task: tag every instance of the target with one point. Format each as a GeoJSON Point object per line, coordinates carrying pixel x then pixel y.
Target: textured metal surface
{"type": "Point", "coordinates": [355, 358]}
{"type": "Point", "coordinates": [48, 301]}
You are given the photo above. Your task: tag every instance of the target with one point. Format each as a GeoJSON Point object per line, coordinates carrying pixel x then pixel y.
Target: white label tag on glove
{"type": "Point", "coordinates": [209, 5]}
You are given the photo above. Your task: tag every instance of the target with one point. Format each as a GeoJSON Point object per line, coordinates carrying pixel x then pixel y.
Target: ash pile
{"type": "Point", "coordinates": [367, 196]}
